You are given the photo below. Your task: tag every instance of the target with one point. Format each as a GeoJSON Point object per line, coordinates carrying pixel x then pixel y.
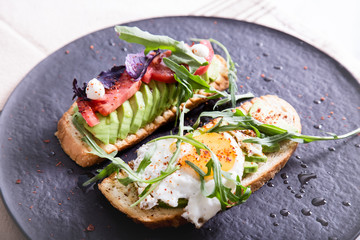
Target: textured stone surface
{"type": "Point", "coordinates": [49, 191]}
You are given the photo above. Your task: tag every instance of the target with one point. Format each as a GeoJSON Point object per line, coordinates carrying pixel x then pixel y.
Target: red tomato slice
{"type": "Point", "coordinates": [201, 70]}
{"type": "Point", "coordinates": [159, 71]}
{"type": "Point", "coordinates": [123, 89]}
{"type": "Point", "coordinates": [87, 112]}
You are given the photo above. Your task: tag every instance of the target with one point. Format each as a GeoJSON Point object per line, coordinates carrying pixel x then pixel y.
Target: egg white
{"type": "Point", "coordinates": [182, 184]}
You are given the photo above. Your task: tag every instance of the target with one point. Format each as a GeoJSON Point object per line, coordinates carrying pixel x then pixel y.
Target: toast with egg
{"type": "Point", "coordinates": [70, 137]}
{"type": "Point", "coordinates": [121, 197]}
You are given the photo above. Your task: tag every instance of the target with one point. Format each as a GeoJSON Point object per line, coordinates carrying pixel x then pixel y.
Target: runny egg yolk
{"type": "Point", "coordinates": [219, 145]}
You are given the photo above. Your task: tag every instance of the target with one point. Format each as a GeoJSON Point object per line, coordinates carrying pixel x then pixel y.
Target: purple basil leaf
{"type": "Point", "coordinates": [109, 78]}
{"type": "Point", "coordinates": [78, 91]}
{"type": "Point", "coordinates": [137, 64]}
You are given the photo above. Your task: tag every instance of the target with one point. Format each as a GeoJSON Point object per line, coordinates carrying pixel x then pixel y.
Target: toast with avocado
{"type": "Point", "coordinates": [125, 104]}
{"type": "Point", "coordinates": [257, 169]}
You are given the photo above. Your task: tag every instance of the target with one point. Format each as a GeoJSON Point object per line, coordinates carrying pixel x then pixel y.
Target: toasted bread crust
{"type": "Point", "coordinates": [156, 217]}
{"type": "Point", "coordinates": [71, 142]}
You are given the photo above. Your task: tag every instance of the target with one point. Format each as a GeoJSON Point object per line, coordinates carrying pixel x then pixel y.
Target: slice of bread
{"type": "Point", "coordinates": [121, 197]}
{"type": "Point", "coordinates": [70, 138]}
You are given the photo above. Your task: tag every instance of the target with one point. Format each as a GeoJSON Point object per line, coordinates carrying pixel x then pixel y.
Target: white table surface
{"type": "Point", "coordinates": [32, 30]}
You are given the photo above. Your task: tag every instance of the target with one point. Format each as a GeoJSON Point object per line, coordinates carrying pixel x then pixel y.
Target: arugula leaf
{"type": "Point", "coordinates": [235, 119]}
{"type": "Point", "coordinates": [180, 52]}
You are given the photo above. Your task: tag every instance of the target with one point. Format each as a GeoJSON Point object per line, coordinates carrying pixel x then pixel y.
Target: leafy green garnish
{"type": "Point", "coordinates": [181, 54]}
{"type": "Point", "coordinates": [117, 162]}
{"type": "Point", "coordinates": [269, 136]}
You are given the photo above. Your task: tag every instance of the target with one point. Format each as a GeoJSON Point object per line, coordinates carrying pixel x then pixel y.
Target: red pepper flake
{"type": "Point", "coordinates": [39, 171]}
{"type": "Point", "coordinates": [31, 206]}
{"type": "Point", "coordinates": [68, 198]}
{"type": "Point", "coordinates": [300, 95]}
{"type": "Point", "coordinates": [9, 138]}
{"type": "Point", "coordinates": [20, 203]}
{"type": "Point", "coordinates": [331, 113]}
{"type": "Point", "coordinates": [329, 116]}
{"type": "Point", "coordinates": [215, 22]}
{"type": "Point", "coordinates": [91, 46]}
{"type": "Point", "coordinates": [343, 118]}
{"type": "Point", "coordinates": [262, 75]}
{"type": "Point", "coordinates": [90, 228]}
{"type": "Point", "coordinates": [326, 94]}
{"type": "Point", "coordinates": [113, 58]}
{"type": "Point", "coordinates": [322, 99]}
{"type": "Point", "coordinates": [34, 192]}
{"type": "Point", "coordinates": [29, 219]}
{"type": "Point", "coordinates": [247, 77]}
{"type": "Point", "coordinates": [59, 203]}
{"type": "Point", "coordinates": [305, 67]}
{"type": "Point", "coordinates": [67, 52]}
{"type": "Point", "coordinates": [257, 58]}
{"type": "Point", "coordinates": [18, 181]}
{"type": "Point", "coordinates": [97, 51]}
{"type": "Point", "coordinates": [322, 118]}
{"type": "Point", "coordinates": [46, 140]}
{"type": "Point", "coordinates": [241, 86]}
{"type": "Point", "coordinates": [58, 164]}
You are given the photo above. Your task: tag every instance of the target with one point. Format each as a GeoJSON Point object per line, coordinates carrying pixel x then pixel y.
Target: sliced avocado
{"type": "Point", "coordinates": [125, 115]}
{"type": "Point", "coordinates": [267, 149]}
{"type": "Point", "coordinates": [214, 69]}
{"type": "Point", "coordinates": [163, 88]}
{"type": "Point", "coordinates": [156, 98]}
{"type": "Point", "coordinates": [113, 123]}
{"type": "Point", "coordinates": [149, 102]}
{"type": "Point", "coordinates": [172, 94]}
{"type": "Point", "coordinates": [256, 158]}
{"type": "Point", "coordinates": [138, 106]}
{"type": "Point", "coordinates": [102, 130]}
{"type": "Point", "coordinates": [260, 106]}
{"type": "Point", "coordinates": [250, 167]}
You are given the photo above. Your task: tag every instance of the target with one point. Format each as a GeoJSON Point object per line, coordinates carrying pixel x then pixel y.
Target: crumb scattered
{"type": "Point", "coordinates": [322, 99]}
{"type": "Point", "coordinates": [241, 86]}
{"type": "Point", "coordinates": [262, 75]}
{"type": "Point", "coordinates": [305, 67]}
{"type": "Point", "coordinates": [91, 46]}
{"type": "Point", "coordinates": [59, 203]}
{"type": "Point", "coordinates": [329, 116]}
{"type": "Point", "coordinates": [18, 181]}
{"type": "Point", "coordinates": [247, 77]}
{"type": "Point", "coordinates": [90, 228]}
{"type": "Point", "coordinates": [46, 141]}
{"type": "Point", "coordinates": [58, 164]}
{"type": "Point", "coordinates": [9, 138]}
{"type": "Point", "coordinates": [34, 192]}
{"type": "Point", "coordinates": [322, 118]}
{"type": "Point", "coordinates": [331, 112]}
{"type": "Point", "coordinates": [67, 52]}
{"type": "Point", "coordinates": [29, 219]}
{"type": "Point", "coordinates": [31, 206]}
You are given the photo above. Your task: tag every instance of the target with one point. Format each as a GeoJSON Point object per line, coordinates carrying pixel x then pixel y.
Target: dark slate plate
{"type": "Point", "coordinates": [49, 202]}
